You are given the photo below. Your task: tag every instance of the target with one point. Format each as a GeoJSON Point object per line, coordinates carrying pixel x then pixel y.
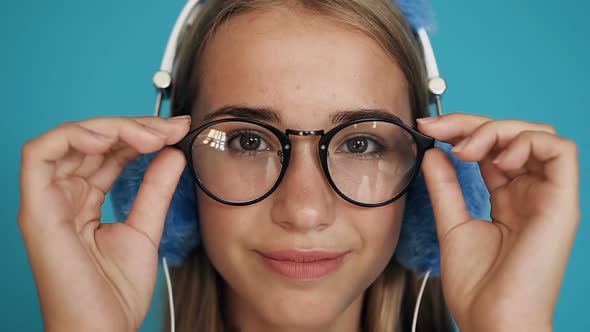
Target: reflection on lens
{"type": "Point", "coordinates": [372, 162]}
{"type": "Point", "coordinates": [237, 161]}
{"type": "Point", "coordinates": [215, 139]}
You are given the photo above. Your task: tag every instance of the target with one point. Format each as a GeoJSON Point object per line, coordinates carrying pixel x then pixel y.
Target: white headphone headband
{"type": "Point", "coordinates": [163, 79]}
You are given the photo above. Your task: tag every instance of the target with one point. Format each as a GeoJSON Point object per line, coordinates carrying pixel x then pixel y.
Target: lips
{"type": "Point", "coordinates": [303, 265]}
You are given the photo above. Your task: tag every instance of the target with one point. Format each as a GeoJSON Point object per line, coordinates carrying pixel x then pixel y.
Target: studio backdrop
{"type": "Point", "coordinates": [67, 60]}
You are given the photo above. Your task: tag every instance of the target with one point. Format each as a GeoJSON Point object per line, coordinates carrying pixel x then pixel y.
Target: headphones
{"type": "Point", "coordinates": [417, 248]}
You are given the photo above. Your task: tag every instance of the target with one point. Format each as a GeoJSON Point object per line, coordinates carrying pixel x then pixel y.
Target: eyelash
{"type": "Point", "coordinates": [364, 156]}
{"type": "Point", "coordinates": [247, 153]}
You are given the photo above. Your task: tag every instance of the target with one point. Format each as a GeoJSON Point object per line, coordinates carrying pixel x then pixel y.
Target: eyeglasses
{"type": "Point", "coordinates": [368, 162]}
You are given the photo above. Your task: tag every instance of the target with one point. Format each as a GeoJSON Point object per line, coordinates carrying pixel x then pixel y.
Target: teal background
{"type": "Point", "coordinates": [68, 60]}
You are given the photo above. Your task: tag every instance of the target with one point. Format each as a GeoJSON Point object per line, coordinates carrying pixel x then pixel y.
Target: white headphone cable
{"type": "Point", "coordinates": [417, 307]}
{"type": "Point", "coordinates": [170, 296]}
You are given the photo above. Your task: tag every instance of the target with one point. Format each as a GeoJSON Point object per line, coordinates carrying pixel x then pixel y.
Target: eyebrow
{"type": "Point", "coordinates": [271, 115]}
{"type": "Point", "coordinates": [263, 114]}
{"type": "Point", "coordinates": [359, 114]}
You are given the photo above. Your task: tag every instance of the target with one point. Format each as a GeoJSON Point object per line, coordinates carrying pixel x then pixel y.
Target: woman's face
{"type": "Point", "coordinates": [305, 69]}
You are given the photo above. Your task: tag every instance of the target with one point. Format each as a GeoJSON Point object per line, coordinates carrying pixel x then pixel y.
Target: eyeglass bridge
{"type": "Point", "coordinates": [304, 132]}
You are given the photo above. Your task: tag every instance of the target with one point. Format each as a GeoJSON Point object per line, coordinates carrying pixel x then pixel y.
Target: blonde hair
{"type": "Point", "coordinates": [389, 301]}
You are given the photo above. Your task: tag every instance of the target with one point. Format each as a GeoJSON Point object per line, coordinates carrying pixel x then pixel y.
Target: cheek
{"type": "Point", "coordinates": [227, 232]}
{"type": "Point", "coordinates": [230, 234]}
{"type": "Point", "coordinates": [221, 230]}
{"type": "Point", "coordinates": [379, 229]}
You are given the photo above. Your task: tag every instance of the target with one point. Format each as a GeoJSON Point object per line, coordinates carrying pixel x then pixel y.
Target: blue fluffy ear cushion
{"type": "Point", "coordinates": [417, 248]}
{"type": "Point", "coordinates": [418, 13]}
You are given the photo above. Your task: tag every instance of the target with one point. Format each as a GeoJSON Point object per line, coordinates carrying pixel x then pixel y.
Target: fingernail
{"type": "Point", "coordinates": [155, 132]}
{"type": "Point", "coordinates": [181, 118]}
{"type": "Point", "coordinates": [427, 120]}
{"type": "Point", "coordinates": [461, 145]}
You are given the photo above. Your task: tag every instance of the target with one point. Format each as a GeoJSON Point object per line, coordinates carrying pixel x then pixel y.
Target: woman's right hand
{"type": "Point", "coordinates": [92, 276]}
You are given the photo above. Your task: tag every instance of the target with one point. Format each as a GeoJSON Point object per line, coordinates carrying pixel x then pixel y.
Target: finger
{"type": "Point", "coordinates": [39, 155]}
{"type": "Point", "coordinates": [451, 127]}
{"type": "Point", "coordinates": [480, 139]}
{"type": "Point", "coordinates": [132, 131]}
{"type": "Point", "coordinates": [97, 136]}
{"type": "Point", "coordinates": [123, 133]}
{"type": "Point", "coordinates": [89, 164]}
{"type": "Point", "coordinates": [557, 156]}
{"type": "Point", "coordinates": [108, 167]}
{"type": "Point", "coordinates": [71, 162]}
{"type": "Point", "coordinates": [111, 167]}
{"type": "Point", "coordinates": [149, 210]}
{"type": "Point", "coordinates": [494, 135]}
{"type": "Point", "coordinates": [445, 192]}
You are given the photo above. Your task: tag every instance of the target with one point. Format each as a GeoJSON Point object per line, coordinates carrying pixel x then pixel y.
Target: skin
{"type": "Point", "coordinates": [265, 60]}
{"type": "Point", "coordinates": [93, 276]}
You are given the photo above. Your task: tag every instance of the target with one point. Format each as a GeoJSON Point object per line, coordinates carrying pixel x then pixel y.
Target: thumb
{"type": "Point", "coordinates": [448, 203]}
{"type": "Point", "coordinates": [149, 210]}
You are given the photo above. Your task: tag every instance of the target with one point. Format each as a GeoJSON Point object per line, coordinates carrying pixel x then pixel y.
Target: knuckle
{"type": "Point", "coordinates": [69, 128]}
{"type": "Point", "coordinates": [571, 146]}
{"type": "Point", "coordinates": [548, 128]}
{"type": "Point", "coordinates": [65, 126]}
{"type": "Point", "coordinates": [511, 126]}
{"type": "Point", "coordinates": [28, 149]}
{"type": "Point", "coordinates": [511, 123]}
{"type": "Point", "coordinates": [96, 197]}
{"type": "Point", "coordinates": [528, 134]}
{"type": "Point", "coordinates": [490, 126]}
{"type": "Point", "coordinates": [123, 157]}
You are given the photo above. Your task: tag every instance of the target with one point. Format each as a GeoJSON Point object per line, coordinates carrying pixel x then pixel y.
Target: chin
{"type": "Point", "coordinates": [312, 318]}
{"type": "Point", "coordinates": [306, 310]}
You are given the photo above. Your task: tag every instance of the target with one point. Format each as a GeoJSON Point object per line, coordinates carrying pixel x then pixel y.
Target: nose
{"type": "Point", "coordinates": [304, 201]}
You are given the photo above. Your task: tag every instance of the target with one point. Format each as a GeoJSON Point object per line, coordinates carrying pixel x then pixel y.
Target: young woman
{"type": "Point", "coordinates": [308, 247]}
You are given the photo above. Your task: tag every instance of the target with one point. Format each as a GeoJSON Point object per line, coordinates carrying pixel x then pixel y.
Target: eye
{"type": "Point", "coordinates": [247, 141]}
{"type": "Point", "coordinates": [361, 145]}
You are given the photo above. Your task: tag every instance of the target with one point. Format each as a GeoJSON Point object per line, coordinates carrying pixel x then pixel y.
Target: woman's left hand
{"type": "Point", "coordinates": [504, 275]}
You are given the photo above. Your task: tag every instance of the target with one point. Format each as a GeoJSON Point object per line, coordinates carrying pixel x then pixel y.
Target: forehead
{"type": "Point", "coordinates": [302, 66]}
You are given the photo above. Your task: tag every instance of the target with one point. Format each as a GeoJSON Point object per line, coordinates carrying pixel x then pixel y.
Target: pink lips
{"type": "Point", "coordinates": [297, 264]}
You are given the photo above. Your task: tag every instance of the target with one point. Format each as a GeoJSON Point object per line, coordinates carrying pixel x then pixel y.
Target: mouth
{"type": "Point", "coordinates": [303, 265]}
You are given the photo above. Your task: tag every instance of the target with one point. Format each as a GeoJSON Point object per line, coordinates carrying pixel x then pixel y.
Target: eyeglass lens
{"type": "Point", "coordinates": [372, 162]}
{"type": "Point", "coordinates": [368, 162]}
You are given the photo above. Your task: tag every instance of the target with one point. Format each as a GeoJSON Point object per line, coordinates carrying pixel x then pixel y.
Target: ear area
{"type": "Point", "coordinates": [418, 248]}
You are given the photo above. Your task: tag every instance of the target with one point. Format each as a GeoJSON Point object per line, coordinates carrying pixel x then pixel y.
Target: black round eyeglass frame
{"type": "Point", "coordinates": [423, 144]}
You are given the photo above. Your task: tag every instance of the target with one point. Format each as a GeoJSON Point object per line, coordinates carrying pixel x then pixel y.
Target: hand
{"type": "Point", "coordinates": [504, 275]}
{"type": "Point", "coordinates": [93, 276]}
